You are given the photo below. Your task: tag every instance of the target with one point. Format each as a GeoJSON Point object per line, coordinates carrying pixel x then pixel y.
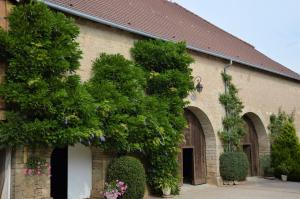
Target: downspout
{"type": "Point", "coordinates": [225, 72]}
{"type": "Point", "coordinates": [226, 90]}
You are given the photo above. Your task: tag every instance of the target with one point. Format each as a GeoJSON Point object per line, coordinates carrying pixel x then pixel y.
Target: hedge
{"type": "Point", "coordinates": [131, 171]}
{"type": "Point", "coordinates": [234, 166]}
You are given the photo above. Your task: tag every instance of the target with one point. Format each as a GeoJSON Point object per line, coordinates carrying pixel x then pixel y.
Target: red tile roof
{"type": "Point", "coordinates": [169, 21]}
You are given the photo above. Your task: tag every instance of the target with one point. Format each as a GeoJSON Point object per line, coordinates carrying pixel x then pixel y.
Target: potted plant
{"type": "Point", "coordinates": [284, 170]}
{"type": "Point", "coordinates": [166, 187]}
{"type": "Point", "coordinates": [114, 189]}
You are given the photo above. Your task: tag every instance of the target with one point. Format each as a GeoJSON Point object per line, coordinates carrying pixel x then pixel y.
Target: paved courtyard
{"type": "Point", "coordinates": [254, 188]}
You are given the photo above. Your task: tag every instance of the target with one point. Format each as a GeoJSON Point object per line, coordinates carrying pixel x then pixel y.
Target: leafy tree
{"type": "Point", "coordinates": [169, 81]}
{"type": "Point", "coordinates": [46, 104]}
{"type": "Point", "coordinates": [233, 123]}
{"type": "Point", "coordinates": [140, 107]}
{"type": "Point", "coordinates": [117, 86]}
{"type": "Point", "coordinates": [285, 148]}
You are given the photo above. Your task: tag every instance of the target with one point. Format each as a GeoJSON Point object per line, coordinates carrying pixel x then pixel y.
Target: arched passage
{"type": "Point", "coordinates": [255, 142]}
{"type": "Point", "coordinates": [199, 150]}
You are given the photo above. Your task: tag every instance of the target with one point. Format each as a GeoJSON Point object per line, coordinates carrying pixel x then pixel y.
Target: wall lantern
{"type": "Point", "coordinates": [198, 85]}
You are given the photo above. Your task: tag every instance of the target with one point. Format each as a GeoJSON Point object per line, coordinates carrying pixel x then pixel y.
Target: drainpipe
{"type": "Point", "coordinates": [225, 72]}
{"type": "Point", "coordinates": [226, 88]}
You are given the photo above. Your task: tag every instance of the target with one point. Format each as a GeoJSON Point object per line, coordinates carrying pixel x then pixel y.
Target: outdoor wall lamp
{"type": "Point", "coordinates": [199, 86]}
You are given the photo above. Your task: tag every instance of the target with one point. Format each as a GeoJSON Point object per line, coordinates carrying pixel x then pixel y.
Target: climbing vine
{"type": "Point", "coordinates": [169, 81]}
{"type": "Point", "coordinates": [126, 107]}
{"type": "Point", "coordinates": [141, 103]}
{"type": "Point", "coordinates": [45, 102]}
{"type": "Point", "coordinates": [233, 124]}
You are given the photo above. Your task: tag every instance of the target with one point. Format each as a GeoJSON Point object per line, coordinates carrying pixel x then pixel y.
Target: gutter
{"type": "Point", "coordinates": [131, 30]}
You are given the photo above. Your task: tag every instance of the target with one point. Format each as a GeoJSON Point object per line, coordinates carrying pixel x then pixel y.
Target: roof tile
{"type": "Point", "coordinates": [170, 21]}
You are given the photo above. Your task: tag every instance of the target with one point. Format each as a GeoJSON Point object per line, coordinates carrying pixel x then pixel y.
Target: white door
{"type": "Point", "coordinates": [79, 172]}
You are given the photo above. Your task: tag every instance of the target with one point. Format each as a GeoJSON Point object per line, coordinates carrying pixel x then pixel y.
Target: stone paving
{"type": "Point", "coordinates": [254, 188]}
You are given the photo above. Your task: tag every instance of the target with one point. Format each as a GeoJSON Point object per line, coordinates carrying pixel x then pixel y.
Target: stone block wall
{"type": "Point", "coordinates": [39, 187]}
{"type": "Point", "coordinates": [28, 187]}
{"type": "Point", "coordinates": [100, 162]}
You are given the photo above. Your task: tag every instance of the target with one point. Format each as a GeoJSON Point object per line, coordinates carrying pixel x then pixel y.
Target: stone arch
{"type": "Point", "coordinates": [263, 143]}
{"type": "Point", "coordinates": [263, 138]}
{"type": "Point", "coordinates": [210, 144]}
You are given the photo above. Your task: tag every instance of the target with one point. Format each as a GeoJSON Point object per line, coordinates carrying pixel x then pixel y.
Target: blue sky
{"type": "Point", "coordinates": [272, 26]}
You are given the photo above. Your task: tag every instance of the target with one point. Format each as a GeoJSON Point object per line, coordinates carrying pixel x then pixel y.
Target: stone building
{"type": "Point", "coordinates": [112, 26]}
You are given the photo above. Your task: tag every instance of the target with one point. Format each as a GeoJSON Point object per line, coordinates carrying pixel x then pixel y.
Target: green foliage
{"type": "Point", "coordinates": [278, 121]}
{"type": "Point", "coordinates": [140, 107]}
{"type": "Point", "coordinates": [265, 165]}
{"type": "Point", "coordinates": [285, 148]}
{"type": "Point", "coordinates": [233, 123]}
{"type": "Point", "coordinates": [160, 56]}
{"type": "Point", "coordinates": [117, 86]}
{"type": "Point", "coordinates": [294, 175]}
{"type": "Point", "coordinates": [234, 166]}
{"type": "Point", "coordinates": [46, 104]}
{"type": "Point", "coordinates": [169, 80]}
{"type": "Point", "coordinates": [131, 171]}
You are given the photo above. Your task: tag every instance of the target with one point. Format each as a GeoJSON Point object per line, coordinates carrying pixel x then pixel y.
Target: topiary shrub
{"type": "Point", "coordinates": [131, 171]}
{"type": "Point", "coordinates": [233, 124]}
{"type": "Point", "coordinates": [234, 166]}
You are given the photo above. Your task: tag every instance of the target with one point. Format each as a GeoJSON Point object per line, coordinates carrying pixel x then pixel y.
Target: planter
{"type": "Point", "coordinates": [166, 192]}
{"type": "Point", "coordinates": [284, 178]}
{"type": "Point", "coordinates": [110, 196]}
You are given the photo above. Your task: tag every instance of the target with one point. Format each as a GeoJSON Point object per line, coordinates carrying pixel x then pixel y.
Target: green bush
{"type": "Point", "coordinates": [131, 171]}
{"type": "Point", "coordinates": [45, 101]}
{"type": "Point", "coordinates": [285, 149]}
{"type": "Point", "coordinates": [295, 174]}
{"type": "Point", "coordinates": [234, 166]}
{"type": "Point", "coordinates": [265, 165]}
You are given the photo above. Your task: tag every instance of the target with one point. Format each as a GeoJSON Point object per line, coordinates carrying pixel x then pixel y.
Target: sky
{"type": "Point", "coordinates": [272, 26]}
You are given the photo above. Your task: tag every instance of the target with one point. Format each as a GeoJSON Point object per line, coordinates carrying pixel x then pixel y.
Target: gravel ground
{"type": "Point", "coordinates": [254, 188]}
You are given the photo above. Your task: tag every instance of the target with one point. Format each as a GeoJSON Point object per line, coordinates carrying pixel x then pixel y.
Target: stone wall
{"type": "Point", "coordinates": [262, 93]}
{"type": "Point", "coordinates": [100, 162]}
{"type": "Point", "coordinates": [39, 187]}
{"type": "Point", "coordinates": [28, 187]}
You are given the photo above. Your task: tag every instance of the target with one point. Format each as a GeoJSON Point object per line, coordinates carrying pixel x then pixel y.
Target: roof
{"type": "Point", "coordinates": [166, 20]}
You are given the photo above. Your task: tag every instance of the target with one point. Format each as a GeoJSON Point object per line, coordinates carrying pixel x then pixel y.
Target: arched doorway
{"type": "Point", "coordinates": [193, 155]}
{"type": "Point", "coordinates": [251, 146]}
{"type": "Point", "coordinates": [256, 136]}
{"type": "Point", "coordinates": [59, 173]}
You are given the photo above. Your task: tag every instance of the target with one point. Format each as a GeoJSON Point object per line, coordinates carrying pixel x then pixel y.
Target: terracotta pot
{"type": "Point", "coordinates": [284, 178]}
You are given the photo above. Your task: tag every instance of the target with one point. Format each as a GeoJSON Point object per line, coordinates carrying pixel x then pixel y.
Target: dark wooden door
{"type": "Point", "coordinates": [2, 169]}
{"type": "Point", "coordinates": [194, 139]}
{"type": "Point", "coordinates": [250, 147]}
